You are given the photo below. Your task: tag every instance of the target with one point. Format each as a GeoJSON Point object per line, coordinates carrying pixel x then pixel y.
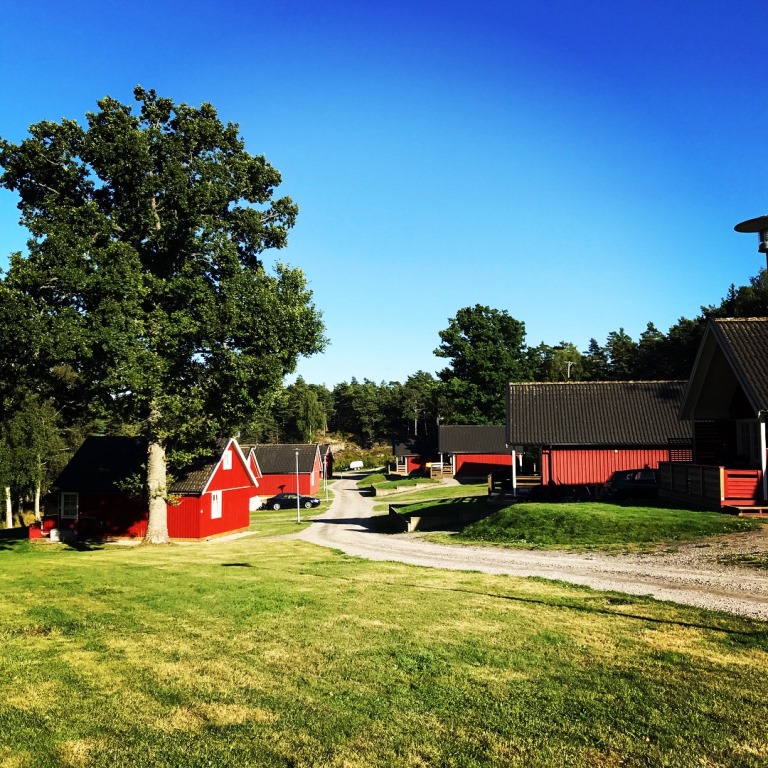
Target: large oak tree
{"type": "Point", "coordinates": [150, 299]}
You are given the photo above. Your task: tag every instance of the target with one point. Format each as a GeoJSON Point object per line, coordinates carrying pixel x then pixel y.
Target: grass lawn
{"type": "Point", "coordinates": [265, 652]}
{"type": "Point", "coordinates": [580, 525]}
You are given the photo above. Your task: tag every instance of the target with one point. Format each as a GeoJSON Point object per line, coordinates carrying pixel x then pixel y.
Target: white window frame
{"type": "Point", "coordinates": [65, 510]}
{"type": "Point", "coordinates": [226, 462]}
{"type": "Point", "coordinates": [215, 505]}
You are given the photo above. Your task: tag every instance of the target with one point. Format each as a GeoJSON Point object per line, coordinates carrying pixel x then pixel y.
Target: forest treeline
{"type": "Point", "coordinates": [485, 348]}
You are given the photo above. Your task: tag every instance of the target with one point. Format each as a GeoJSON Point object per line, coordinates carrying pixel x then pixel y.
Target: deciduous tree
{"type": "Point", "coordinates": [145, 272]}
{"type": "Point", "coordinates": [486, 349]}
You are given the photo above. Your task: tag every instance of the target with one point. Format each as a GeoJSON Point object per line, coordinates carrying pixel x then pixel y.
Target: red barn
{"type": "Point", "coordinates": [276, 467]}
{"type": "Point", "coordinates": [100, 492]}
{"type": "Point", "coordinates": [585, 431]}
{"type": "Point", "coordinates": [474, 451]}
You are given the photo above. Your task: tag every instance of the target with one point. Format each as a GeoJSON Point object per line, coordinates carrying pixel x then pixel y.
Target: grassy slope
{"type": "Point", "coordinates": [580, 524]}
{"type": "Point", "coordinates": [260, 652]}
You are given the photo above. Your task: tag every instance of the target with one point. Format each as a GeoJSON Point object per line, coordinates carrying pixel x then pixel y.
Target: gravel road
{"type": "Point", "coordinates": [690, 573]}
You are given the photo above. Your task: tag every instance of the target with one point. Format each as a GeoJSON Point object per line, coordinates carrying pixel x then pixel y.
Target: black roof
{"type": "Point", "coordinates": [472, 439]}
{"type": "Point", "coordinates": [596, 413]}
{"type": "Point", "coordinates": [104, 463]}
{"type": "Point", "coordinates": [733, 353]}
{"type": "Point", "coordinates": [280, 459]}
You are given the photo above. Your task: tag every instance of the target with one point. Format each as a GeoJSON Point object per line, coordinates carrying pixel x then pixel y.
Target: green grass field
{"type": "Point", "coordinates": [577, 525]}
{"type": "Point", "coordinates": [272, 652]}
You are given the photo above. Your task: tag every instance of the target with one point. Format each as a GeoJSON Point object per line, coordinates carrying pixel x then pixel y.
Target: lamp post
{"type": "Point", "coordinates": [760, 226]}
{"type": "Point", "coordinates": [298, 496]}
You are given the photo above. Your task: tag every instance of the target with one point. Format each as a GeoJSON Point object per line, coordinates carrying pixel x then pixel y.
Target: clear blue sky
{"type": "Point", "coordinates": [578, 163]}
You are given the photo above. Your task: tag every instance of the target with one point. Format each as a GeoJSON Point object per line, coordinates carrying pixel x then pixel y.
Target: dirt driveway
{"type": "Point", "coordinates": [689, 574]}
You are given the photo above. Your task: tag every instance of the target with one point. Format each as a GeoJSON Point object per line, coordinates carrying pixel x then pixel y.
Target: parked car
{"type": "Point", "coordinates": [288, 501]}
{"type": "Point", "coordinates": [630, 483]}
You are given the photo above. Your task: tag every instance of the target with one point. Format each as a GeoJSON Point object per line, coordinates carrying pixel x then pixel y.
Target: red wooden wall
{"type": "Point", "coordinates": [591, 466]}
{"type": "Point", "coordinates": [480, 464]}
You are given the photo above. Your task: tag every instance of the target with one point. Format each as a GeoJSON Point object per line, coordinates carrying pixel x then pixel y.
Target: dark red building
{"type": "Point", "coordinates": [276, 467]}
{"type": "Point", "coordinates": [585, 431]}
{"type": "Point", "coordinates": [100, 492]}
{"type": "Point", "coordinates": [727, 403]}
{"type": "Point", "coordinates": [474, 451]}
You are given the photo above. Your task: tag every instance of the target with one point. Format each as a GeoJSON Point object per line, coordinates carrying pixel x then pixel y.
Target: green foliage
{"type": "Point", "coordinates": [147, 297]}
{"type": "Point", "coordinates": [361, 410]}
{"type": "Point", "coordinates": [145, 266]}
{"type": "Point", "coordinates": [486, 349]}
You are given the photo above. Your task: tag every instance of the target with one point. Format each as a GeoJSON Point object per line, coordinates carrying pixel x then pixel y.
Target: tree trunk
{"type": "Point", "coordinates": [8, 508]}
{"type": "Point", "coordinates": [157, 525]}
{"type": "Point", "coordinates": [38, 516]}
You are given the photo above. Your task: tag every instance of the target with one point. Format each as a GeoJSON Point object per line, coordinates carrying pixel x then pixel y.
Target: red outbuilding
{"type": "Point", "coordinates": [100, 493]}
{"type": "Point", "coordinates": [474, 451]}
{"type": "Point", "coordinates": [278, 465]}
{"type": "Point", "coordinates": [585, 431]}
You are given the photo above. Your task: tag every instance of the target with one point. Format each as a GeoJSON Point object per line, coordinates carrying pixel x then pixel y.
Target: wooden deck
{"type": "Point", "coordinates": [711, 487]}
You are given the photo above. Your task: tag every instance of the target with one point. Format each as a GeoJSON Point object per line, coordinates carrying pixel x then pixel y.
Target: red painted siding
{"type": "Point", "coordinates": [111, 514]}
{"type": "Point", "coordinates": [224, 479]}
{"type": "Point", "coordinates": [309, 483]}
{"type": "Point", "coordinates": [185, 517]}
{"type": "Point", "coordinates": [234, 513]}
{"type": "Point", "coordinates": [590, 466]}
{"type": "Point", "coordinates": [480, 464]}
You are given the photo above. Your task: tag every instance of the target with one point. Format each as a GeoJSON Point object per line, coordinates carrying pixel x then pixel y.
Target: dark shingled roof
{"type": "Point", "coordinates": [745, 344]}
{"type": "Point", "coordinates": [281, 459]}
{"type": "Point", "coordinates": [194, 478]}
{"type": "Point", "coordinates": [102, 463]}
{"type": "Point", "coordinates": [596, 413]}
{"type": "Point", "coordinates": [472, 439]}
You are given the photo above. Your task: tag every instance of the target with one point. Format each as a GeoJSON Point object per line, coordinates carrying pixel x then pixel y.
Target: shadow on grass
{"type": "Point", "coordinates": [757, 637]}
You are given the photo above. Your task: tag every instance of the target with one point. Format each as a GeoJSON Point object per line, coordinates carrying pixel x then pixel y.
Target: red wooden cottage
{"type": "Point", "coordinates": [474, 451]}
{"type": "Point", "coordinates": [276, 467]}
{"type": "Point", "coordinates": [215, 494]}
{"type": "Point", "coordinates": [407, 458]}
{"type": "Point", "coordinates": [727, 403]}
{"type": "Point", "coordinates": [585, 431]}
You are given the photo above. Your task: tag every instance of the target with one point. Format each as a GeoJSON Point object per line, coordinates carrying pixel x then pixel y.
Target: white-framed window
{"type": "Point", "coordinates": [748, 441]}
{"type": "Point", "coordinates": [215, 505]}
{"type": "Point", "coordinates": [227, 460]}
{"type": "Point", "coordinates": [69, 505]}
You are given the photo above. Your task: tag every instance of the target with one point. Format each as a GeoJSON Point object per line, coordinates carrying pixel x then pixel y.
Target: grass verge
{"type": "Point", "coordinates": [276, 653]}
{"type": "Point", "coordinates": [586, 525]}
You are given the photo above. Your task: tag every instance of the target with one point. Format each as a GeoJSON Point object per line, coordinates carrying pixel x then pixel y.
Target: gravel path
{"type": "Point", "coordinates": [689, 574]}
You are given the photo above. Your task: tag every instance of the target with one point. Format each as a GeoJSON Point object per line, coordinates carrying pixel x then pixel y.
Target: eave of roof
{"type": "Point", "coordinates": [636, 413]}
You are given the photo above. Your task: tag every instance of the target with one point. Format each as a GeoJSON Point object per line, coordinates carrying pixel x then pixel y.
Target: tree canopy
{"type": "Point", "coordinates": [486, 349]}
{"type": "Point", "coordinates": [149, 300]}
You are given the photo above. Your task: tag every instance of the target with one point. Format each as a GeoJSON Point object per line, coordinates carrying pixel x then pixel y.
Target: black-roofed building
{"type": "Point", "coordinates": [100, 491]}
{"type": "Point", "coordinates": [585, 431]}
{"type": "Point", "coordinates": [278, 465]}
{"type": "Point", "coordinates": [474, 451]}
{"type": "Point", "coordinates": [726, 401]}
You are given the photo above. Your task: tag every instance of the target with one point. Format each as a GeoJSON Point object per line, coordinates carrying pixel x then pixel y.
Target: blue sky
{"type": "Point", "coordinates": [578, 163]}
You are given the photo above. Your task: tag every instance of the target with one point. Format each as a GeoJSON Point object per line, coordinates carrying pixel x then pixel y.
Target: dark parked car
{"type": "Point", "coordinates": [288, 501]}
{"type": "Point", "coordinates": [631, 483]}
